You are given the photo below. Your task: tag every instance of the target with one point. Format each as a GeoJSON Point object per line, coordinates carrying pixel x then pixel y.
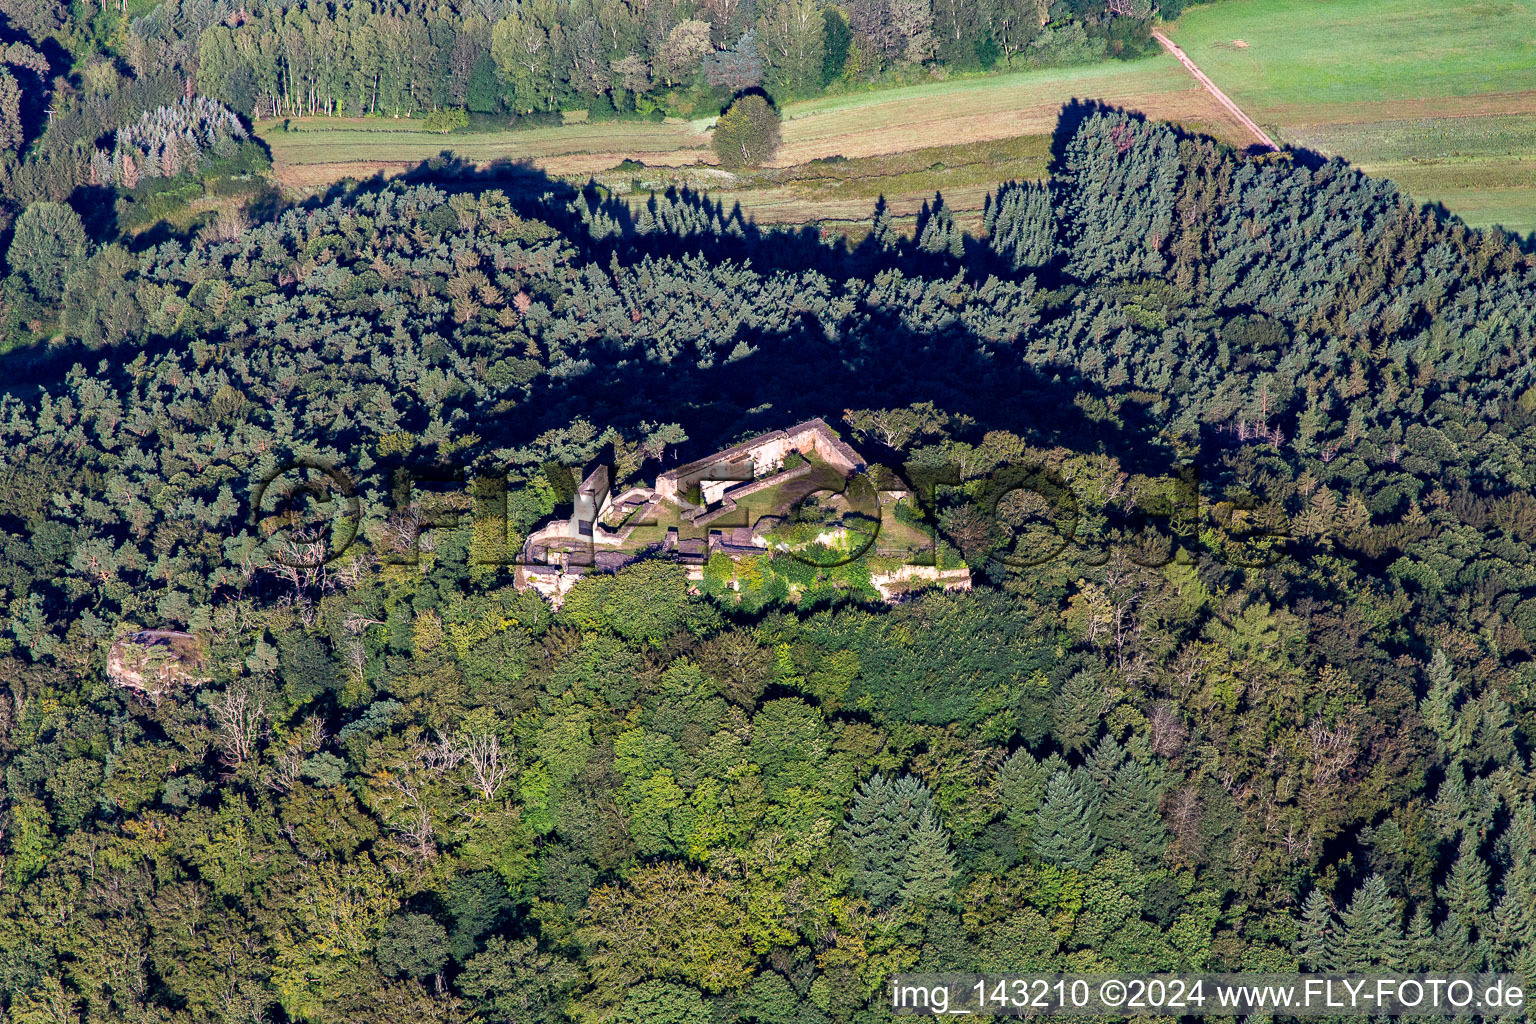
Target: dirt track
{"type": "Point", "coordinates": [1221, 97]}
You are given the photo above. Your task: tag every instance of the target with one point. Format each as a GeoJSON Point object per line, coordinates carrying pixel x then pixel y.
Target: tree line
{"type": "Point", "coordinates": [359, 58]}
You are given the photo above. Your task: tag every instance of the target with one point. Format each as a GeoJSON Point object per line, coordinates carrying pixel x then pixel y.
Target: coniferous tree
{"type": "Point", "coordinates": [1102, 762]}
{"type": "Point", "coordinates": [169, 140]}
{"type": "Point", "coordinates": [1020, 224]}
{"type": "Point", "coordinates": [1439, 704]}
{"type": "Point", "coordinates": [1119, 175]}
{"type": "Point", "coordinates": [1485, 732]}
{"type": "Point", "coordinates": [1063, 832]}
{"type": "Point", "coordinates": [930, 865]}
{"type": "Point", "coordinates": [1372, 928]}
{"type": "Point", "coordinates": [1128, 816]}
{"type": "Point", "coordinates": [99, 308]}
{"type": "Point", "coordinates": [882, 823]}
{"type": "Point", "coordinates": [1021, 781]}
{"type": "Point", "coordinates": [1453, 803]}
{"type": "Point", "coordinates": [1317, 937]}
{"type": "Point", "coordinates": [937, 231]}
{"type": "Point", "coordinates": [1457, 948]}
{"type": "Point", "coordinates": [108, 472]}
{"type": "Point", "coordinates": [736, 69]}
{"type": "Point", "coordinates": [1419, 948]}
{"type": "Point", "coordinates": [1466, 890]}
{"type": "Point", "coordinates": [882, 235]}
{"type": "Point", "coordinates": [1077, 711]}
{"type": "Point", "coordinates": [1514, 917]}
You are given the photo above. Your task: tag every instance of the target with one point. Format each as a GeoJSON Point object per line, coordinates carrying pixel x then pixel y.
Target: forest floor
{"type": "Point", "coordinates": [1439, 95]}
{"type": "Point", "coordinates": [839, 153]}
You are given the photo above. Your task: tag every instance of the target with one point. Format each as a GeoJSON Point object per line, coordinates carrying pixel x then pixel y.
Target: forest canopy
{"type": "Point", "coordinates": [395, 791]}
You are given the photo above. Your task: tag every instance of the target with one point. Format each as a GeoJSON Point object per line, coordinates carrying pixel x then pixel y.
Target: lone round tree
{"type": "Point", "coordinates": [747, 134]}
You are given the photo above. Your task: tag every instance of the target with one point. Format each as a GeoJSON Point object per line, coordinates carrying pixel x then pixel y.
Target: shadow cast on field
{"type": "Point", "coordinates": [520, 179]}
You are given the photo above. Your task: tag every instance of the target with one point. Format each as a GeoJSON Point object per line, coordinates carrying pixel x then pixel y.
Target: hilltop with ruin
{"type": "Point", "coordinates": [782, 493]}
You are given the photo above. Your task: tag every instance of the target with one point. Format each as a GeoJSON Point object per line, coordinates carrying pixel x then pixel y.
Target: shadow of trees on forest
{"type": "Point", "coordinates": [785, 376]}
{"type": "Point", "coordinates": [806, 369]}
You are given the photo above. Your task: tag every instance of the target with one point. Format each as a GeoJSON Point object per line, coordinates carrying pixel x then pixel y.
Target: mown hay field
{"type": "Point", "coordinates": [352, 144]}
{"type": "Point", "coordinates": [994, 107]}
{"type": "Point", "coordinates": [840, 194]}
{"type": "Point", "coordinates": [959, 136]}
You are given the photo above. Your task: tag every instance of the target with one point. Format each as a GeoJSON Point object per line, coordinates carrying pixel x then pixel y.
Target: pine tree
{"type": "Point", "coordinates": [1452, 802]}
{"type": "Point", "coordinates": [930, 866]}
{"type": "Point", "coordinates": [1373, 929]}
{"type": "Point", "coordinates": [1317, 937]}
{"type": "Point", "coordinates": [1439, 704]}
{"type": "Point", "coordinates": [1466, 890]}
{"type": "Point", "coordinates": [1021, 782]}
{"type": "Point", "coordinates": [1063, 833]}
{"type": "Point", "coordinates": [1020, 224]}
{"type": "Point", "coordinates": [1118, 176]}
{"type": "Point", "coordinates": [1355, 515]}
{"type": "Point", "coordinates": [736, 69]}
{"type": "Point", "coordinates": [1514, 917]}
{"type": "Point", "coordinates": [1419, 944]}
{"type": "Point", "coordinates": [1456, 949]}
{"type": "Point", "coordinates": [1486, 731]}
{"type": "Point", "coordinates": [882, 234]}
{"type": "Point", "coordinates": [1103, 761]}
{"type": "Point", "coordinates": [127, 171]}
{"type": "Point", "coordinates": [1077, 710]}
{"type": "Point", "coordinates": [1020, 785]}
{"type": "Point", "coordinates": [881, 828]}
{"type": "Point", "coordinates": [937, 231]}
{"type": "Point", "coordinates": [1129, 818]}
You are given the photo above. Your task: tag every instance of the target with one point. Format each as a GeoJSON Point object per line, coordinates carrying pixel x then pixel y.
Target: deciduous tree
{"type": "Point", "coordinates": [747, 134]}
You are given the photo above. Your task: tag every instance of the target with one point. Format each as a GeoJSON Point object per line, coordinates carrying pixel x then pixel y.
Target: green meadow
{"type": "Point", "coordinates": [1439, 96]}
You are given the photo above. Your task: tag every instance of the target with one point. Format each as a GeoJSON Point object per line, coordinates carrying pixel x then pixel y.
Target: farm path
{"type": "Point", "coordinates": [1221, 97]}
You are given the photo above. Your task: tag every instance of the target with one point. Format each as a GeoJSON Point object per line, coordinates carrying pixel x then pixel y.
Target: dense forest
{"type": "Point", "coordinates": [1283, 720]}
